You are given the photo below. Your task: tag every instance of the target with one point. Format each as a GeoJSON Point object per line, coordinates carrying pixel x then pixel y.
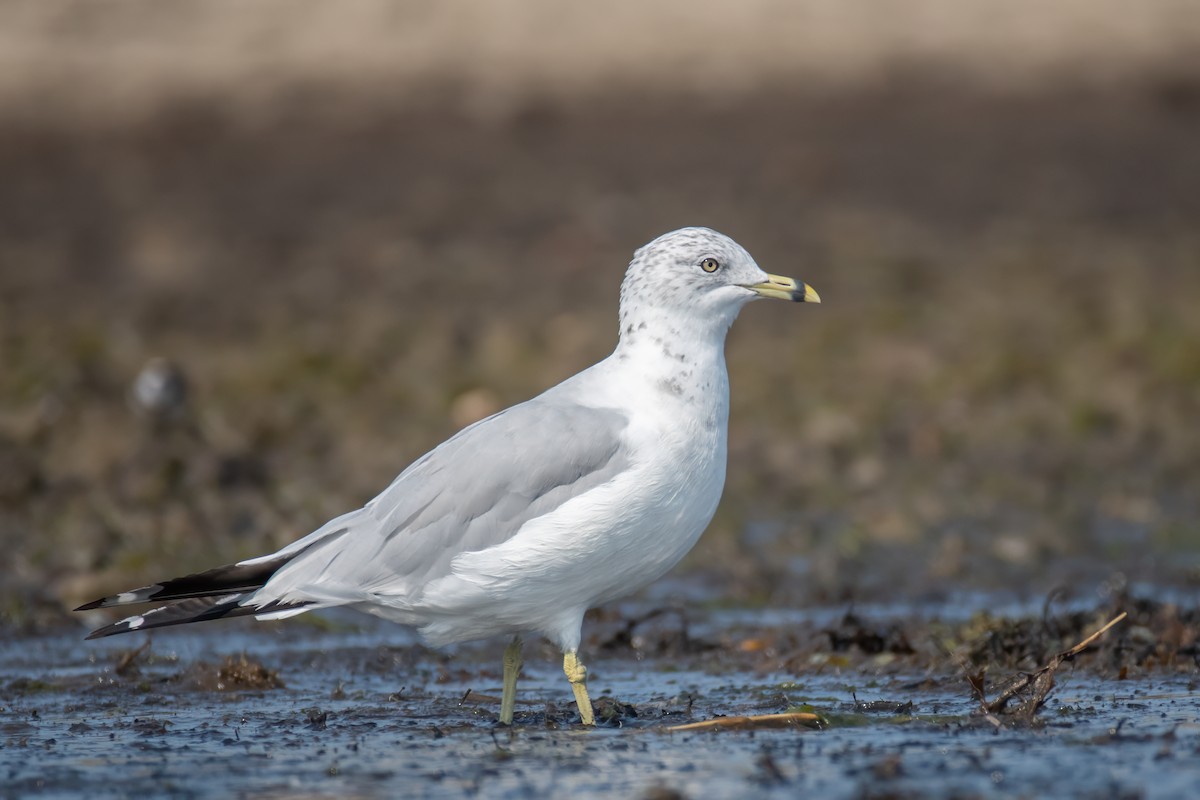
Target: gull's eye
{"type": "Point", "coordinates": [710, 265]}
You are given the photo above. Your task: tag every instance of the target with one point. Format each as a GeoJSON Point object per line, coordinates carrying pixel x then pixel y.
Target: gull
{"type": "Point", "coordinates": [521, 522]}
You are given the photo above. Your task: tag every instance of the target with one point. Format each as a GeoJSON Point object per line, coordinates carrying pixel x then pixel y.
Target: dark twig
{"type": "Point", "coordinates": [1039, 684]}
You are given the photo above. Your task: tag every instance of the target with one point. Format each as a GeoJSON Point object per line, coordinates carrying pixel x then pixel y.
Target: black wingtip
{"type": "Point", "coordinates": [190, 610]}
{"type": "Point", "coordinates": [122, 626]}
{"type": "Point", "coordinates": [218, 582]}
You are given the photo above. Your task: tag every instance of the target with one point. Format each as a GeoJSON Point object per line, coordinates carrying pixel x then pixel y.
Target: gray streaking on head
{"type": "Point", "coordinates": [520, 523]}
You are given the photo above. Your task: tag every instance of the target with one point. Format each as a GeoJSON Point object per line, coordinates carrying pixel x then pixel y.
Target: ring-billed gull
{"type": "Point", "coordinates": [523, 521]}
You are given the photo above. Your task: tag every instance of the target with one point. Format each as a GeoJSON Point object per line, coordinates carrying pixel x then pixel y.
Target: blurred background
{"type": "Point", "coordinates": [255, 257]}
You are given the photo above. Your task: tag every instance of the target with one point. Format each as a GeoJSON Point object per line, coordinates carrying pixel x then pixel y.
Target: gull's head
{"type": "Point", "coordinates": [699, 275]}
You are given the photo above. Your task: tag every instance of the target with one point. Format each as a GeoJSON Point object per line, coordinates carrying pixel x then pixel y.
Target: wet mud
{"type": "Point", "coordinates": [348, 707]}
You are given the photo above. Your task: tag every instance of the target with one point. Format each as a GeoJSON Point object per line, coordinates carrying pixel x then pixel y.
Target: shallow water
{"type": "Point", "coordinates": [365, 711]}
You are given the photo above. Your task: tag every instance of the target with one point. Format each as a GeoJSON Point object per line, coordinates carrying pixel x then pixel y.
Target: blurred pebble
{"type": "Point", "coordinates": [160, 390]}
{"type": "Point", "coordinates": [1013, 549]}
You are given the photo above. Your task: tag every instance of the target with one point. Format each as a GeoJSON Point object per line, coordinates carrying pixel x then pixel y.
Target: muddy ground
{"type": "Point", "coordinates": [981, 447]}
{"type": "Point", "coordinates": [350, 708]}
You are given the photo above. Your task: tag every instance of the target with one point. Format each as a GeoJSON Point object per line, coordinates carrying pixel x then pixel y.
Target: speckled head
{"type": "Point", "coordinates": [696, 276]}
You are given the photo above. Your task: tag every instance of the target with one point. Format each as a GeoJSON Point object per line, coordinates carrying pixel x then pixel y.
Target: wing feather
{"type": "Point", "coordinates": [473, 492]}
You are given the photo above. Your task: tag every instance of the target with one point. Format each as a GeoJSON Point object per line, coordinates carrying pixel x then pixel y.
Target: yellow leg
{"type": "Point", "coordinates": [512, 668]}
{"type": "Point", "coordinates": [577, 675]}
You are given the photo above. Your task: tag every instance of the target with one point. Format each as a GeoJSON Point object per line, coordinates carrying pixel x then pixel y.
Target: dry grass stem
{"type": "Point", "coordinates": [789, 720]}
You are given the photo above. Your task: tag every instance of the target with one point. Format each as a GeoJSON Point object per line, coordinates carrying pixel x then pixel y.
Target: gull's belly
{"type": "Point", "coordinates": [673, 507]}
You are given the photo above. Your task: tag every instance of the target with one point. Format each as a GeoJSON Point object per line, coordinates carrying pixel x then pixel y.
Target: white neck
{"type": "Point", "coordinates": [683, 356]}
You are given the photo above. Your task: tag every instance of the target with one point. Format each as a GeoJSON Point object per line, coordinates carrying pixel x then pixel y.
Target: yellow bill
{"type": "Point", "coordinates": [781, 288]}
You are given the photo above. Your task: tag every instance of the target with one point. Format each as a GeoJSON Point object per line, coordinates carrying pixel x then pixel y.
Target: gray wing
{"type": "Point", "coordinates": [472, 492]}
